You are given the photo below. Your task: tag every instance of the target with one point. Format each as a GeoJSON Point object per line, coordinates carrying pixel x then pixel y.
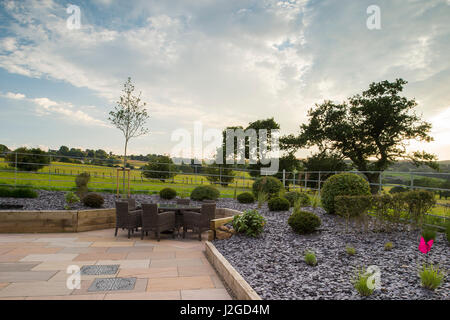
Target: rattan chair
{"type": "Point", "coordinates": [199, 221]}
{"type": "Point", "coordinates": [157, 222]}
{"type": "Point", "coordinates": [126, 219]}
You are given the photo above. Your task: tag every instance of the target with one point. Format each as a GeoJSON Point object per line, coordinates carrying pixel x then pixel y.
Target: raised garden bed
{"type": "Point", "coordinates": [273, 264]}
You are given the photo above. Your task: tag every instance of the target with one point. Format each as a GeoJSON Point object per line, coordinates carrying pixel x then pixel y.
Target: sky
{"type": "Point", "coordinates": [223, 63]}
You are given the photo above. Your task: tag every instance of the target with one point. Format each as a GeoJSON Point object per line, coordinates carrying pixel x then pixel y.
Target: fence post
{"type": "Point", "coordinates": [284, 178]}
{"type": "Point", "coordinates": [306, 180]}
{"type": "Point", "coordinates": [293, 180]}
{"type": "Point", "coordinates": [412, 181]}
{"type": "Point", "coordinates": [379, 185]}
{"type": "Point", "coordinates": [15, 172]}
{"type": "Point", "coordinates": [50, 172]}
{"type": "Point", "coordinates": [220, 175]}
{"type": "Point", "coordinates": [319, 183]}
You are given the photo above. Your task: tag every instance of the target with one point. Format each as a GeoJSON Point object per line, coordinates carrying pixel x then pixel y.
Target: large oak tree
{"type": "Point", "coordinates": [371, 129]}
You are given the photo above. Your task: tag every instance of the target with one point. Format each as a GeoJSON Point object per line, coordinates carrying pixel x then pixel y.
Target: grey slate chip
{"type": "Point", "coordinates": [112, 284]}
{"type": "Point", "coordinates": [99, 269]}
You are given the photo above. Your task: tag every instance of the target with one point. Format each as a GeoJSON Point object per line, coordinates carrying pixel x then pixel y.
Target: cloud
{"type": "Point", "coordinates": [47, 107]}
{"type": "Point", "coordinates": [231, 62]}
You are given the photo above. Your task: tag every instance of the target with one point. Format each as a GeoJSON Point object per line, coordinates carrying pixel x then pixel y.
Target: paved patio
{"type": "Point", "coordinates": [33, 266]}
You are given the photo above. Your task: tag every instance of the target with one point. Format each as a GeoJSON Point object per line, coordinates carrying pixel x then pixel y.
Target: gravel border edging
{"type": "Point", "coordinates": [240, 288]}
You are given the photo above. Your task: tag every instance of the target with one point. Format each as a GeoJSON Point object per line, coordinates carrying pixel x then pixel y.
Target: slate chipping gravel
{"type": "Point", "coordinates": [273, 263]}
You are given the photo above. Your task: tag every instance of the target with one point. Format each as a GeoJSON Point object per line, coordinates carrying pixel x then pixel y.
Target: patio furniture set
{"type": "Point", "coordinates": [163, 217]}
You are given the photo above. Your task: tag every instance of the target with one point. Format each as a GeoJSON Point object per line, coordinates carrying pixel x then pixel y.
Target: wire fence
{"type": "Point", "coordinates": [59, 172]}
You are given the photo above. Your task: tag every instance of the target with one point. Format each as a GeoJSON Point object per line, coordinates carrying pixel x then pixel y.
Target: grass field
{"type": "Point", "coordinates": [61, 176]}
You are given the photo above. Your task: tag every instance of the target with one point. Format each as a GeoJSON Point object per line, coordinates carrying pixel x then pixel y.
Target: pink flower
{"type": "Point", "coordinates": [425, 247]}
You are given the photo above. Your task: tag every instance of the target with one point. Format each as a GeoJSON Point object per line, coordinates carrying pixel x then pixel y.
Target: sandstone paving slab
{"type": "Point", "coordinates": [126, 264]}
{"type": "Point", "coordinates": [149, 272]}
{"type": "Point", "coordinates": [24, 276]}
{"type": "Point", "coordinates": [34, 250]}
{"type": "Point", "coordinates": [60, 265]}
{"type": "Point", "coordinates": [100, 256]}
{"type": "Point", "coordinates": [200, 270]}
{"type": "Point", "coordinates": [180, 283]}
{"type": "Point", "coordinates": [130, 249]}
{"type": "Point", "coordinates": [83, 250]}
{"type": "Point", "coordinates": [112, 244]}
{"type": "Point", "coordinates": [150, 255]}
{"type": "Point", "coordinates": [36, 288]}
{"type": "Point", "coordinates": [97, 296]}
{"type": "Point", "coordinates": [17, 266]}
{"type": "Point", "coordinates": [161, 263]}
{"type": "Point", "coordinates": [50, 257]}
{"type": "Point", "coordinates": [55, 239]}
{"type": "Point", "coordinates": [69, 244]}
{"type": "Point", "coordinates": [205, 294]}
{"type": "Point", "coordinates": [11, 257]}
{"type": "Point", "coordinates": [162, 295]}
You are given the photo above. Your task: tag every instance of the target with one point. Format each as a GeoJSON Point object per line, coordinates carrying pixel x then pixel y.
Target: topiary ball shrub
{"type": "Point", "coordinates": [246, 197]}
{"type": "Point", "coordinates": [201, 193]}
{"type": "Point", "coordinates": [300, 197]}
{"type": "Point", "coordinates": [278, 204]}
{"type": "Point", "coordinates": [397, 189]}
{"type": "Point", "coordinates": [304, 222]}
{"type": "Point", "coordinates": [167, 193]}
{"type": "Point", "coordinates": [342, 184]}
{"type": "Point", "coordinates": [93, 200]}
{"type": "Point", "coordinates": [269, 185]}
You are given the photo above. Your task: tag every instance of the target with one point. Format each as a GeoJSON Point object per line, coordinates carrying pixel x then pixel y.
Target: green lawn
{"type": "Point", "coordinates": [61, 176]}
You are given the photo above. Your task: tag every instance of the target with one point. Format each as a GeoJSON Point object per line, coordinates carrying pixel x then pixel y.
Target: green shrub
{"type": "Point", "coordinates": [81, 182]}
{"type": "Point", "coordinates": [70, 198]}
{"type": "Point", "coordinates": [261, 197]}
{"type": "Point", "coordinates": [419, 202]}
{"type": "Point", "coordinates": [351, 207]}
{"type": "Point", "coordinates": [431, 277]}
{"type": "Point", "coordinates": [428, 234]}
{"type": "Point", "coordinates": [269, 185]}
{"type": "Point", "coordinates": [23, 193]}
{"type": "Point", "coordinates": [310, 258]}
{"type": "Point", "coordinates": [294, 197]}
{"type": "Point", "coordinates": [167, 193]}
{"type": "Point", "coordinates": [351, 251]}
{"type": "Point", "coordinates": [388, 246]}
{"type": "Point", "coordinates": [397, 189]}
{"type": "Point", "coordinates": [246, 197]}
{"type": "Point", "coordinates": [93, 200]}
{"type": "Point", "coordinates": [304, 222]}
{"type": "Point", "coordinates": [18, 193]}
{"type": "Point", "coordinates": [278, 204]}
{"type": "Point", "coordinates": [342, 184]}
{"type": "Point", "coordinates": [360, 283]}
{"type": "Point", "coordinates": [5, 192]}
{"type": "Point", "coordinates": [201, 193]}
{"type": "Point", "coordinates": [250, 222]}
{"type": "Point", "coordinates": [381, 206]}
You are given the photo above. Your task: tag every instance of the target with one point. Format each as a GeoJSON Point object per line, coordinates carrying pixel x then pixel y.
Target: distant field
{"type": "Point", "coordinates": [62, 176]}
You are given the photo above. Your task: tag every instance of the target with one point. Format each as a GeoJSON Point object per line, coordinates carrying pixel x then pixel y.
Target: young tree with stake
{"type": "Point", "coordinates": [129, 116]}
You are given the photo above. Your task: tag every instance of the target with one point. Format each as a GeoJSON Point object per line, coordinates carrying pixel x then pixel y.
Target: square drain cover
{"type": "Point", "coordinates": [99, 270]}
{"type": "Point", "coordinates": [112, 284]}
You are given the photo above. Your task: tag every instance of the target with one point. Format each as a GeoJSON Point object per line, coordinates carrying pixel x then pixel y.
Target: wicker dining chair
{"type": "Point", "coordinates": [157, 222]}
{"type": "Point", "coordinates": [199, 221]}
{"type": "Point", "coordinates": [126, 219]}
